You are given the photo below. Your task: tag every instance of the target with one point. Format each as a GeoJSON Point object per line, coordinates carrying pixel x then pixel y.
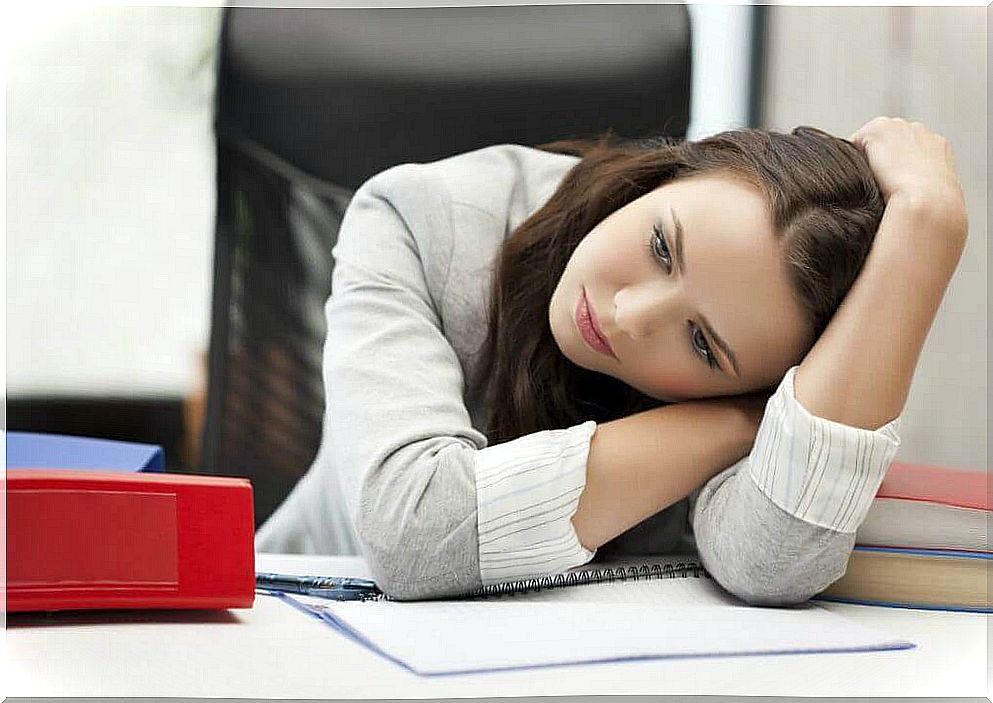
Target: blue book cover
{"type": "Point", "coordinates": [37, 450]}
{"type": "Point", "coordinates": [957, 553]}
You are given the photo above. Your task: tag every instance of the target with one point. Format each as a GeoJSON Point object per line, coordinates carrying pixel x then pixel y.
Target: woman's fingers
{"type": "Point", "coordinates": [859, 135]}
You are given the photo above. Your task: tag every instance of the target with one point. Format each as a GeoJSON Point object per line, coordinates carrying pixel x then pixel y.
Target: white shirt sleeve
{"type": "Point", "coordinates": [821, 471]}
{"type": "Point", "coordinates": [527, 491]}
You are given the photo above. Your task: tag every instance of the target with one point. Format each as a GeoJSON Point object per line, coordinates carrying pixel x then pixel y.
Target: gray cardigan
{"type": "Point", "coordinates": [393, 478]}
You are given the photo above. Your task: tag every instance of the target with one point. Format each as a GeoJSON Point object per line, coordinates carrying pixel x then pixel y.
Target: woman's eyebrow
{"type": "Point", "coordinates": [681, 266]}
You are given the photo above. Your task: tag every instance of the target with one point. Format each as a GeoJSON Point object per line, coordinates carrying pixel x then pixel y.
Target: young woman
{"type": "Point", "coordinates": [535, 355]}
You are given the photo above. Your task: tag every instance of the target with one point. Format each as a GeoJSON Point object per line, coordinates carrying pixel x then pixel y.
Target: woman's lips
{"type": "Point", "coordinates": [589, 330]}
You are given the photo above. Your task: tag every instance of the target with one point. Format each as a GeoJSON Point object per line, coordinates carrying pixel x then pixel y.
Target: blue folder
{"type": "Point", "coordinates": [35, 450]}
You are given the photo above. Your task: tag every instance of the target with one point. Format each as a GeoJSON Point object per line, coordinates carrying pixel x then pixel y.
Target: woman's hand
{"type": "Point", "coordinates": [915, 166]}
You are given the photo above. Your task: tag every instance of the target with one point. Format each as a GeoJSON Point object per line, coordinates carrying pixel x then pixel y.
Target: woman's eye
{"type": "Point", "coordinates": [702, 349]}
{"type": "Point", "coordinates": [659, 248]}
{"type": "Point", "coordinates": [698, 341]}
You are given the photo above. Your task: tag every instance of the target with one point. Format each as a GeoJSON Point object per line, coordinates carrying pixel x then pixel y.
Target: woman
{"type": "Point", "coordinates": [615, 324]}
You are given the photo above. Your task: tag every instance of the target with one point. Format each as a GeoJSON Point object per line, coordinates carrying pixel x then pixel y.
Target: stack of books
{"type": "Point", "coordinates": [924, 543]}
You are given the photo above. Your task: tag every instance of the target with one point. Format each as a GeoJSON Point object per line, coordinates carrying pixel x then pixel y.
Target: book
{"type": "Point", "coordinates": [915, 578]}
{"type": "Point", "coordinates": [649, 608]}
{"type": "Point", "coordinates": [106, 539]}
{"type": "Point", "coordinates": [929, 507]}
{"type": "Point", "coordinates": [39, 450]}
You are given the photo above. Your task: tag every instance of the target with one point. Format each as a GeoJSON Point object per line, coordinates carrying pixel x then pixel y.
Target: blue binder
{"type": "Point", "coordinates": [36, 450]}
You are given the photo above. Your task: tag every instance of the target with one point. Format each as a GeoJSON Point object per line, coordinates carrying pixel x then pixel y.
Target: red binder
{"type": "Point", "coordinates": [89, 539]}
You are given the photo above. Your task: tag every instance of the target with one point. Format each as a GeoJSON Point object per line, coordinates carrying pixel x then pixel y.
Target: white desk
{"type": "Point", "coordinates": [274, 651]}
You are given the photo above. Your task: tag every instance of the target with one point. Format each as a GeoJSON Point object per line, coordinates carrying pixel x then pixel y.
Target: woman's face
{"type": "Point", "coordinates": [663, 300]}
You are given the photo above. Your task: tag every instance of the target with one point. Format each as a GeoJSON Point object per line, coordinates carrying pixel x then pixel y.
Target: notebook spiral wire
{"type": "Point", "coordinates": [601, 575]}
{"type": "Point", "coordinates": [605, 574]}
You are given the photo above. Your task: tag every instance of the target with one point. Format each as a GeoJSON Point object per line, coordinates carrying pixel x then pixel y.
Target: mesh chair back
{"type": "Point", "coordinates": [312, 102]}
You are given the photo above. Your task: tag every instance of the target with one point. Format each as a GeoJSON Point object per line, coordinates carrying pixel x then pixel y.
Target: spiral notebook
{"type": "Point", "coordinates": [652, 608]}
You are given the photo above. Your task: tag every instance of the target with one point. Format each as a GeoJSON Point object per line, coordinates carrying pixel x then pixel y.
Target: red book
{"type": "Point", "coordinates": [929, 507]}
{"type": "Point", "coordinates": [935, 484]}
{"type": "Point", "coordinates": [89, 539]}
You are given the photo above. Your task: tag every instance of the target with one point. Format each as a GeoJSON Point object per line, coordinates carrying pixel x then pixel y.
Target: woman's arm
{"type": "Point", "coordinates": [641, 464]}
{"type": "Point", "coordinates": [874, 340]}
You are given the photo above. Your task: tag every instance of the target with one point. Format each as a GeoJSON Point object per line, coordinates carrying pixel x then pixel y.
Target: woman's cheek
{"type": "Point", "coordinates": [671, 384]}
{"type": "Point", "coordinates": [679, 387]}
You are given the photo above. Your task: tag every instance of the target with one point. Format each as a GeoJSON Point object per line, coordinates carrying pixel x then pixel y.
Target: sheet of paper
{"type": "Point", "coordinates": [685, 616]}
{"type": "Point", "coordinates": [466, 636]}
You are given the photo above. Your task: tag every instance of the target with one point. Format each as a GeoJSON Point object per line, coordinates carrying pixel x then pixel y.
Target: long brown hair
{"type": "Point", "coordinates": [825, 206]}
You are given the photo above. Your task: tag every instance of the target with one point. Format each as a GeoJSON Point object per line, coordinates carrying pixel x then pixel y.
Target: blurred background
{"type": "Point", "coordinates": [112, 197]}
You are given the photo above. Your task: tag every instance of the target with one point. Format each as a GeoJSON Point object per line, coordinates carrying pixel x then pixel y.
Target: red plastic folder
{"type": "Point", "coordinates": [101, 539]}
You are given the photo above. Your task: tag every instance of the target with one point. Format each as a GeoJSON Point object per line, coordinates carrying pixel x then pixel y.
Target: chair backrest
{"type": "Point", "coordinates": [312, 102]}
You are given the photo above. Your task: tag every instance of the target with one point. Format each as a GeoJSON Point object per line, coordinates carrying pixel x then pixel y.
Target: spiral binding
{"type": "Point", "coordinates": [602, 575]}
{"type": "Point", "coordinates": [581, 578]}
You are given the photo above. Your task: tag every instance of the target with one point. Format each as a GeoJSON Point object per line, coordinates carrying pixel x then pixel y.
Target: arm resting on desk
{"type": "Point", "coordinates": [779, 526]}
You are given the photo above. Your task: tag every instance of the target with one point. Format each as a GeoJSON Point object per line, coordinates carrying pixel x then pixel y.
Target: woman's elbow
{"type": "Point", "coordinates": [420, 546]}
{"type": "Point", "coordinates": [394, 555]}
{"type": "Point", "coordinates": [413, 561]}
{"type": "Point", "coordinates": [760, 553]}
{"type": "Point", "coordinates": [782, 593]}
{"type": "Point", "coordinates": [788, 579]}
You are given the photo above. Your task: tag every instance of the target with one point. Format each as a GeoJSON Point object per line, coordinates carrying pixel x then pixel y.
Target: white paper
{"type": "Point", "coordinates": [655, 618]}
{"type": "Point", "coordinates": [465, 636]}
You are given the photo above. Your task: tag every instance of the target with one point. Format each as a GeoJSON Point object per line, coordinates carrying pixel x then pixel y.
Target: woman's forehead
{"type": "Point", "coordinates": [712, 190]}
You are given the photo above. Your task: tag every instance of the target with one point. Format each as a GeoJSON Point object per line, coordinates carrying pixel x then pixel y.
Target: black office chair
{"type": "Point", "coordinates": [312, 102]}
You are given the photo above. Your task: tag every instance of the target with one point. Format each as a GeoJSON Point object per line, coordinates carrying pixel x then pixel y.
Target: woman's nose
{"type": "Point", "coordinates": [641, 311]}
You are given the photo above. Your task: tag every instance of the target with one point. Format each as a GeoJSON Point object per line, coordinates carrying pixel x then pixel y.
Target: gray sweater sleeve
{"type": "Point", "coordinates": [398, 429]}
{"type": "Point", "coordinates": [778, 527]}
{"type": "Point", "coordinates": [410, 464]}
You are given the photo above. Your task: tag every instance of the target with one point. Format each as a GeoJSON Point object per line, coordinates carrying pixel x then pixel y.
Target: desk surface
{"type": "Point", "coordinates": [274, 651]}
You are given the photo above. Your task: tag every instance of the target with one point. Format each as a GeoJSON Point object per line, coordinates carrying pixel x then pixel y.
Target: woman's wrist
{"type": "Point", "coordinates": [747, 411]}
{"type": "Point", "coordinates": [945, 198]}
{"type": "Point", "coordinates": [940, 211]}
{"type": "Point", "coordinates": [921, 238]}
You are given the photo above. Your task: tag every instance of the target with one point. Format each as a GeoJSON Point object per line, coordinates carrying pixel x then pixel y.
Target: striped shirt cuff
{"type": "Point", "coordinates": [821, 471]}
{"type": "Point", "coordinates": [527, 491]}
